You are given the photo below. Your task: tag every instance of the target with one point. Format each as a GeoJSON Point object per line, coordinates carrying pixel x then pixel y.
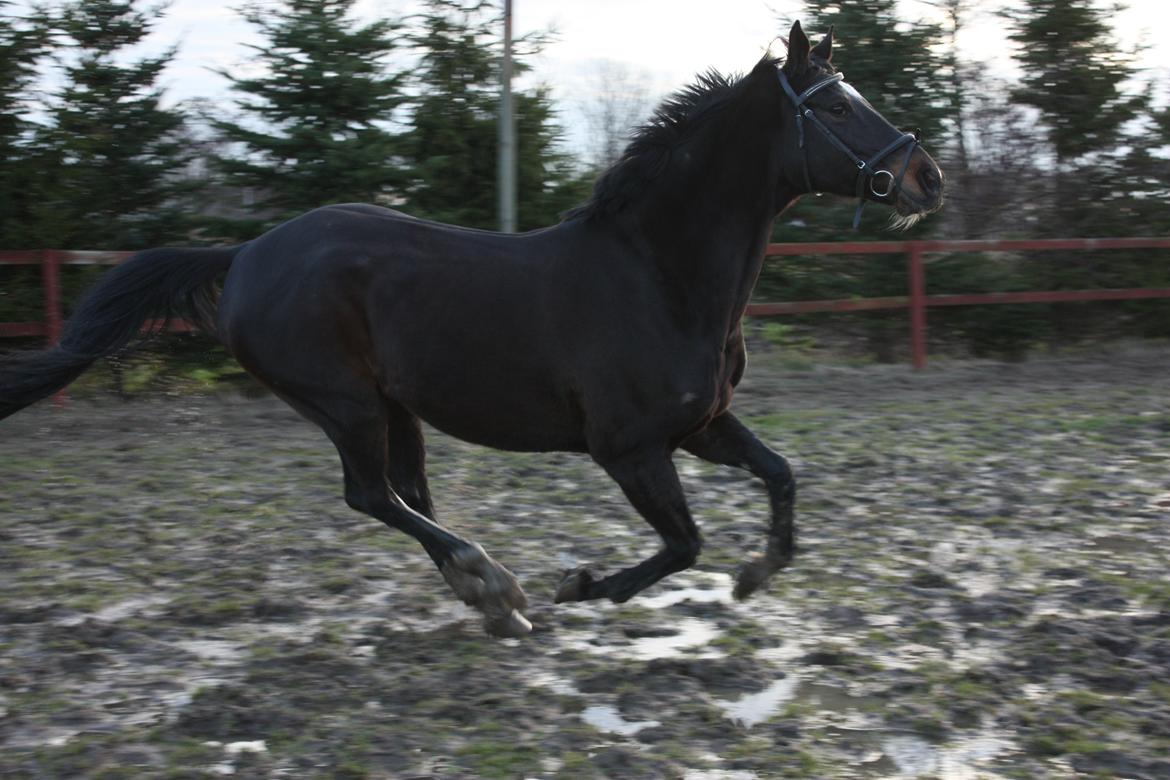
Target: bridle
{"type": "Point", "coordinates": [868, 174]}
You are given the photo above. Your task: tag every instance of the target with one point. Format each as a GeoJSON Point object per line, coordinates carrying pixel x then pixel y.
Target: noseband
{"type": "Point", "coordinates": [868, 174]}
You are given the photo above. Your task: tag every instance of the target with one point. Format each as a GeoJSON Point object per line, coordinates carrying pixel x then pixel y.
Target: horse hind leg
{"type": "Point", "coordinates": [359, 424]}
{"type": "Point", "coordinates": [469, 571]}
{"type": "Point", "coordinates": [406, 459]}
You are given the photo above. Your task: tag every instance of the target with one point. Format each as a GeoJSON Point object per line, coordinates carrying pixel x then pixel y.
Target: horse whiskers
{"type": "Point", "coordinates": [905, 221]}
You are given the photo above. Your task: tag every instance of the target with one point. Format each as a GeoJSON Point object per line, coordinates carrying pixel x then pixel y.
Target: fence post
{"type": "Point", "coordinates": [917, 307]}
{"type": "Point", "coordinates": [51, 286]}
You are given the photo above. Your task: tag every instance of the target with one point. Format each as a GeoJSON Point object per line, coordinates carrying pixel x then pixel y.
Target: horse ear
{"type": "Point", "coordinates": [798, 47]}
{"type": "Point", "coordinates": [824, 49]}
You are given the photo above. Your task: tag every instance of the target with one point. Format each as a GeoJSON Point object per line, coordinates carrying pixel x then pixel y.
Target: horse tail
{"type": "Point", "coordinates": [157, 283]}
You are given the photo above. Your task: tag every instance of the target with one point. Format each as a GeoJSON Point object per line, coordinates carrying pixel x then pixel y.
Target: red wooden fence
{"type": "Point", "coordinates": [916, 300]}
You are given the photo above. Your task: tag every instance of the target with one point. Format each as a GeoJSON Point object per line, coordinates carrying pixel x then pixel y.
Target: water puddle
{"type": "Point", "coordinates": [115, 612]}
{"type": "Point", "coordinates": [701, 588]}
{"type": "Point", "coordinates": [692, 633]}
{"type": "Point", "coordinates": [1123, 545]}
{"type": "Point", "coordinates": [758, 707]}
{"type": "Point", "coordinates": [216, 651]}
{"type": "Point", "coordinates": [187, 688]}
{"type": "Point", "coordinates": [685, 637]}
{"type": "Point", "coordinates": [41, 736]}
{"type": "Point", "coordinates": [604, 717]}
{"type": "Point", "coordinates": [830, 705]}
{"type": "Point", "coordinates": [959, 760]}
{"type": "Point", "coordinates": [232, 751]}
{"type": "Point", "coordinates": [553, 682]}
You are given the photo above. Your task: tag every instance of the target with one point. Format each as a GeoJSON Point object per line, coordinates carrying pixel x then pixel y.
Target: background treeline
{"type": "Point", "coordinates": [402, 112]}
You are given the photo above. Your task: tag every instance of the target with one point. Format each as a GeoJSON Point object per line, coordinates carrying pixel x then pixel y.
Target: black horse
{"type": "Point", "coordinates": [616, 332]}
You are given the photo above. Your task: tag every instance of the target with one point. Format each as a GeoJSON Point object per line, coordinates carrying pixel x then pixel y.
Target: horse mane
{"type": "Point", "coordinates": [678, 117]}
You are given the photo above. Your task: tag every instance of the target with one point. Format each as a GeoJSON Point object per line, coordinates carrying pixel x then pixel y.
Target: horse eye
{"type": "Point", "coordinates": [838, 109]}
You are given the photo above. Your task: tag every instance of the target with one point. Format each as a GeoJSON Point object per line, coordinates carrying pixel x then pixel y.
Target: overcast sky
{"type": "Point", "coordinates": [663, 43]}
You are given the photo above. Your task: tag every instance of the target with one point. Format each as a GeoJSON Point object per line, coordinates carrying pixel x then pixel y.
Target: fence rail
{"type": "Point", "coordinates": [916, 300]}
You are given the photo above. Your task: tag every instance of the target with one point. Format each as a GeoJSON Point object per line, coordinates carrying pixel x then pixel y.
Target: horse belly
{"type": "Point", "coordinates": [513, 418]}
{"type": "Point", "coordinates": [483, 387]}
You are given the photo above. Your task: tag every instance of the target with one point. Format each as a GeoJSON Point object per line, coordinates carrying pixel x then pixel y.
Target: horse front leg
{"type": "Point", "coordinates": [651, 484]}
{"type": "Point", "coordinates": [728, 442]}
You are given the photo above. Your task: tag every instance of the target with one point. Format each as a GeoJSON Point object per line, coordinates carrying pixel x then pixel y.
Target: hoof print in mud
{"type": "Point", "coordinates": [574, 585]}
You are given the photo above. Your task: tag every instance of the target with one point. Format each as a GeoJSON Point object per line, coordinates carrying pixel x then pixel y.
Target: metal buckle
{"type": "Point", "coordinates": [889, 190]}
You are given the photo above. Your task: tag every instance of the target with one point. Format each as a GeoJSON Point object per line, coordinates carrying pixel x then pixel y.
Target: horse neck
{"type": "Point", "coordinates": [707, 224]}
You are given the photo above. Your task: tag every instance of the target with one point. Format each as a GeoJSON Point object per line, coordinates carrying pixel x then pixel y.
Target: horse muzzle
{"type": "Point", "coordinates": [917, 191]}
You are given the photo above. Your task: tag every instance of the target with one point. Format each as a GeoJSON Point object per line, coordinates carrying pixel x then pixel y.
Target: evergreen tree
{"type": "Point", "coordinates": [1076, 76]}
{"type": "Point", "coordinates": [1083, 86]}
{"type": "Point", "coordinates": [452, 144]}
{"type": "Point", "coordinates": [548, 182]}
{"type": "Point", "coordinates": [110, 155]}
{"type": "Point", "coordinates": [315, 123]}
{"type": "Point", "coordinates": [1073, 74]}
{"type": "Point", "coordinates": [900, 65]}
{"type": "Point", "coordinates": [23, 42]}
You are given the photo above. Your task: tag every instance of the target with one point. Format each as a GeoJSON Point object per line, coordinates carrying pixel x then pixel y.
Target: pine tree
{"type": "Point", "coordinates": [23, 42]}
{"type": "Point", "coordinates": [452, 144]}
{"type": "Point", "coordinates": [315, 124]}
{"type": "Point", "coordinates": [110, 154]}
{"type": "Point", "coordinates": [898, 64]}
{"type": "Point", "coordinates": [451, 147]}
{"type": "Point", "coordinates": [1074, 73]}
{"type": "Point", "coordinates": [1082, 84]}
{"type": "Point", "coordinates": [548, 181]}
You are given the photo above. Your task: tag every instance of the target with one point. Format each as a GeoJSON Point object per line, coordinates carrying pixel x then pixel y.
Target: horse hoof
{"type": "Point", "coordinates": [510, 626]}
{"type": "Point", "coordinates": [574, 586]}
{"type": "Point", "coordinates": [749, 579]}
{"type": "Point", "coordinates": [755, 573]}
{"type": "Point", "coordinates": [483, 583]}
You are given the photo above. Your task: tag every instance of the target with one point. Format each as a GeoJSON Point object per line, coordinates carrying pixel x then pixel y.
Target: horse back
{"type": "Point", "coordinates": [460, 326]}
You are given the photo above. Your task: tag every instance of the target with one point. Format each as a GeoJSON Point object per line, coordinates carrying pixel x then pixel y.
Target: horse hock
{"type": "Point", "coordinates": [483, 583]}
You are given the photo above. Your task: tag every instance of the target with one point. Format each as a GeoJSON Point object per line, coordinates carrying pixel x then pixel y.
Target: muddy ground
{"type": "Point", "coordinates": [982, 591]}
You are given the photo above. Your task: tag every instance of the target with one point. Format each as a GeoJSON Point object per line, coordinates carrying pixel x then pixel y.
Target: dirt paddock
{"type": "Point", "coordinates": [982, 591]}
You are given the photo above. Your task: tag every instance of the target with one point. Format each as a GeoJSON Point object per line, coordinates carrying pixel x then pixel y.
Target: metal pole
{"type": "Point", "coordinates": [507, 153]}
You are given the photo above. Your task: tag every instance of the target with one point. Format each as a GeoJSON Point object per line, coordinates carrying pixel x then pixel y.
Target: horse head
{"type": "Point", "coordinates": [843, 145]}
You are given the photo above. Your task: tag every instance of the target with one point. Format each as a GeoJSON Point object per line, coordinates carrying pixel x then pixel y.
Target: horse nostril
{"type": "Point", "coordinates": [929, 180]}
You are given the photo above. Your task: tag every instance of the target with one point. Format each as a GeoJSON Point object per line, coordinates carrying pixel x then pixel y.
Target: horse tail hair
{"type": "Point", "coordinates": [157, 283]}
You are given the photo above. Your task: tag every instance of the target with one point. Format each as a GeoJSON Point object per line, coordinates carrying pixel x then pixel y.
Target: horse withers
{"type": "Point", "coordinates": [616, 332]}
